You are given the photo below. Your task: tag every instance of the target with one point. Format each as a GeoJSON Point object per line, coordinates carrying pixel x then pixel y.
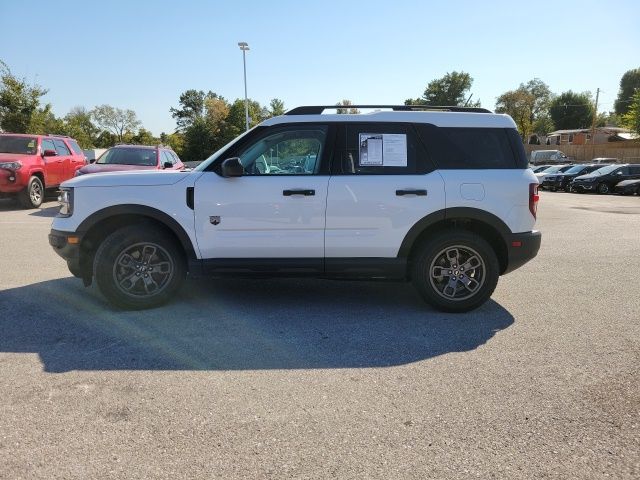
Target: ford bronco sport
{"type": "Point", "coordinates": [438, 196]}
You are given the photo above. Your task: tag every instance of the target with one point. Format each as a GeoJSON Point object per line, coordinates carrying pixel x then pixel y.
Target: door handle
{"type": "Point", "coordinates": [420, 193]}
{"type": "Point", "coordinates": [306, 193]}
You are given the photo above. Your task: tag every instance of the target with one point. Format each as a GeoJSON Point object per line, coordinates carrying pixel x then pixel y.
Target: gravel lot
{"type": "Point", "coordinates": [319, 379]}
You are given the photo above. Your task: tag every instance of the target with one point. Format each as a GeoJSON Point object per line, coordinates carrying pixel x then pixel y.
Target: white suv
{"type": "Point", "coordinates": [441, 197]}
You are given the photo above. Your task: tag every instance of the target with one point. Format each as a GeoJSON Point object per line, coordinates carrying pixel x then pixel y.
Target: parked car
{"type": "Point", "coordinates": [605, 160]}
{"type": "Point", "coordinates": [31, 165]}
{"type": "Point", "coordinates": [562, 180]}
{"type": "Point", "coordinates": [321, 195]}
{"type": "Point", "coordinates": [548, 156]}
{"type": "Point", "coordinates": [628, 187]}
{"type": "Point", "coordinates": [134, 157]}
{"type": "Point", "coordinates": [604, 179]}
{"type": "Point", "coordinates": [539, 168]}
{"type": "Point", "coordinates": [551, 170]}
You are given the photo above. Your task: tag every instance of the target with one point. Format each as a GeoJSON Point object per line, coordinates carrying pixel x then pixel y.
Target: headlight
{"type": "Point", "coordinates": [589, 179]}
{"type": "Point", "coordinates": [66, 202]}
{"type": "Point", "coordinates": [11, 165]}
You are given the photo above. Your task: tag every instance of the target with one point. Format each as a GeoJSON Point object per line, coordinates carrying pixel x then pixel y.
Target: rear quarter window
{"type": "Point", "coordinates": [75, 147]}
{"type": "Point", "coordinates": [473, 148]}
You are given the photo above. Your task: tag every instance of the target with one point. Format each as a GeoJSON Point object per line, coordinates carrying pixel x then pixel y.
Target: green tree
{"type": "Point", "coordinates": [43, 121]}
{"type": "Point", "coordinates": [19, 102]}
{"type": "Point", "coordinates": [143, 137]}
{"type": "Point", "coordinates": [276, 107]}
{"type": "Point", "coordinates": [629, 84]}
{"type": "Point", "coordinates": [528, 106]}
{"type": "Point", "coordinates": [175, 141]}
{"type": "Point", "coordinates": [198, 141]}
{"type": "Point", "coordinates": [115, 120]}
{"type": "Point", "coordinates": [346, 103]}
{"type": "Point", "coordinates": [450, 90]}
{"type": "Point", "coordinates": [192, 107]}
{"type": "Point", "coordinates": [572, 110]}
{"type": "Point", "coordinates": [105, 139]}
{"type": "Point", "coordinates": [78, 124]}
{"type": "Point", "coordinates": [631, 119]}
{"type": "Point", "coordinates": [517, 104]}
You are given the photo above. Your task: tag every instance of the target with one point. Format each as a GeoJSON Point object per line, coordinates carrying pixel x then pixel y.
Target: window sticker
{"type": "Point", "coordinates": [383, 149]}
{"type": "Point", "coordinates": [371, 149]}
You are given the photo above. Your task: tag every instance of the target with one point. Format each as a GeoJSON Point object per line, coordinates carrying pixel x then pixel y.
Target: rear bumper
{"type": "Point", "coordinates": [67, 245]}
{"type": "Point", "coordinates": [522, 247]}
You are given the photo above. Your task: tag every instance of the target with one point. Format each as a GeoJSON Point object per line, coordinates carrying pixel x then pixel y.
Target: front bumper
{"type": "Point", "coordinates": [553, 184]}
{"type": "Point", "coordinates": [522, 247]}
{"type": "Point", "coordinates": [67, 245]}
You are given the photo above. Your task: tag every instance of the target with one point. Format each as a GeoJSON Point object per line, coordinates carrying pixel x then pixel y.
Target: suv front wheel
{"type": "Point", "coordinates": [33, 195]}
{"type": "Point", "coordinates": [455, 271]}
{"type": "Point", "coordinates": [139, 267]}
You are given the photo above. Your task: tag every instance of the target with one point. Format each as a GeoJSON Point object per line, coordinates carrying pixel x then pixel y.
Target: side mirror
{"type": "Point", "coordinates": [49, 153]}
{"type": "Point", "coordinates": [167, 165]}
{"type": "Point", "coordinates": [232, 167]}
{"type": "Point", "coordinates": [92, 160]}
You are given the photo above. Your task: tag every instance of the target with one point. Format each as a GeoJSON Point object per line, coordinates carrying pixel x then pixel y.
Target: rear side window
{"type": "Point", "coordinates": [635, 169]}
{"type": "Point", "coordinates": [61, 148]}
{"type": "Point", "coordinates": [473, 148]}
{"type": "Point", "coordinates": [379, 149]}
{"type": "Point", "coordinates": [75, 147]}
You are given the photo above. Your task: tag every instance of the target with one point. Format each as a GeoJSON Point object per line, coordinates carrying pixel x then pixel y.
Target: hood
{"type": "Point", "coordinates": [142, 178]}
{"type": "Point", "coordinates": [113, 167]}
{"type": "Point", "coordinates": [14, 157]}
{"type": "Point", "coordinates": [588, 175]}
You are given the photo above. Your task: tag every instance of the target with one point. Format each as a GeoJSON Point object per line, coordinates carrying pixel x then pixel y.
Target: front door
{"type": "Point", "coordinates": [53, 165]}
{"type": "Point", "coordinates": [276, 210]}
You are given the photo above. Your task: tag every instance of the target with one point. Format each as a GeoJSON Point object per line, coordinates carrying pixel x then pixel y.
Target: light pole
{"type": "Point", "coordinates": [244, 46]}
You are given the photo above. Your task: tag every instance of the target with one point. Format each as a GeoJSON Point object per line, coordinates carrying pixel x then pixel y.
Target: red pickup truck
{"type": "Point", "coordinates": [32, 164]}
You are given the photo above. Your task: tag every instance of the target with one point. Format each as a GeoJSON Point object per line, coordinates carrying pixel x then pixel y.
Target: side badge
{"type": "Point", "coordinates": [214, 220]}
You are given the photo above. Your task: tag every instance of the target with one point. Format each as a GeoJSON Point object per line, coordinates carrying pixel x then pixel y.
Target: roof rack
{"type": "Point", "coordinates": [318, 109]}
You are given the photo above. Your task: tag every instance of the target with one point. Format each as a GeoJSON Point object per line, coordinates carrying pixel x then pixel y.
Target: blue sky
{"type": "Point", "coordinates": [141, 55]}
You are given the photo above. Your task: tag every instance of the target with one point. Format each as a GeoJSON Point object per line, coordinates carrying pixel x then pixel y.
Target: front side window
{"type": "Point", "coordinates": [48, 145]}
{"type": "Point", "coordinates": [75, 147]}
{"type": "Point", "coordinates": [167, 158]}
{"type": "Point", "coordinates": [295, 151]}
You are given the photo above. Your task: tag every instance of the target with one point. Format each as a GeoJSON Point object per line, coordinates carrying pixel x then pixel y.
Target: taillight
{"type": "Point", "coordinates": [533, 199]}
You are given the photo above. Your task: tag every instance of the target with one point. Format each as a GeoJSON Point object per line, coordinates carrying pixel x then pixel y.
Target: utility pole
{"type": "Point", "coordinates": [244, 46]}
{"type": "Point", "coordinates": [593, 126]}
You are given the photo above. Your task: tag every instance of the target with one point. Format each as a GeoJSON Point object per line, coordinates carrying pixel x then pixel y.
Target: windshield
{"type": "Point", "coordinates": [219, 152]}
{"type": "Point", "coordinates": [145, 157]}
{"type": "Point", "coordinates": [552, 170]}
{"type": "Point", "coordinates": [20, 145]}
{"type": "Point", "coordinates": [605, 170]}
{"type": "Point", "coordinates": [576, 169]}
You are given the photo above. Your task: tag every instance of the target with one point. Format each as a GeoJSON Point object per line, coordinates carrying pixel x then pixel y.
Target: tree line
{"type": "Point", "coordinates": [207, 121]}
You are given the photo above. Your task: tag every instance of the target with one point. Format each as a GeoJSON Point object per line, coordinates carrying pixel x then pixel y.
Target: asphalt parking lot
{"type": "Point", "coordinates": [319, 379]}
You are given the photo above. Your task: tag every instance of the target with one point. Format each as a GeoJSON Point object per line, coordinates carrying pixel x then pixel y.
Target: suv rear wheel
{"type": "Point", "coordinates": [33, 195]}
{"type": "Point", "coordinates": [139, 267]}
{"type": "Point", "coordinates": [455, 271]}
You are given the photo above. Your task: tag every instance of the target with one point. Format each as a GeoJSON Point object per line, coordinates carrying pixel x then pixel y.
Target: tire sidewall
{"type": "Point", "coordinates": [421, 263]}
{"type": "Point", "coordinates": [600, 188]}
{"type": "Point", "coordinates": [111, 248]}
{"type": "Point", "coordinates": [25, 195]}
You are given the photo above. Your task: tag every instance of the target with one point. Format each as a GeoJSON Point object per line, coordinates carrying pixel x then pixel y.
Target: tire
{"type": "Point", "coordinates": [603, 189]}
{"type": "Point", "coordinates": [120, 263]}
{"type": "Point", "coordinates": [434, 260]}
{"type": "Point", "coordinates": [33, 195]}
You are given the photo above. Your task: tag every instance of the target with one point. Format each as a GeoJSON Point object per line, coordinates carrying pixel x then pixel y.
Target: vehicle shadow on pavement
{"type": "Point", "coordinates": [49, 212]}
{"type": "Point", "coordinates": [236, 324]}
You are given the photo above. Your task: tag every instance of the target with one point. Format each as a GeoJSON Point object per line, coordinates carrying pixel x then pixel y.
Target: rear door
{"type": "Point", "coordinates": [78, 158]}
{"type": "Point", "coordinates": [382, 183]}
